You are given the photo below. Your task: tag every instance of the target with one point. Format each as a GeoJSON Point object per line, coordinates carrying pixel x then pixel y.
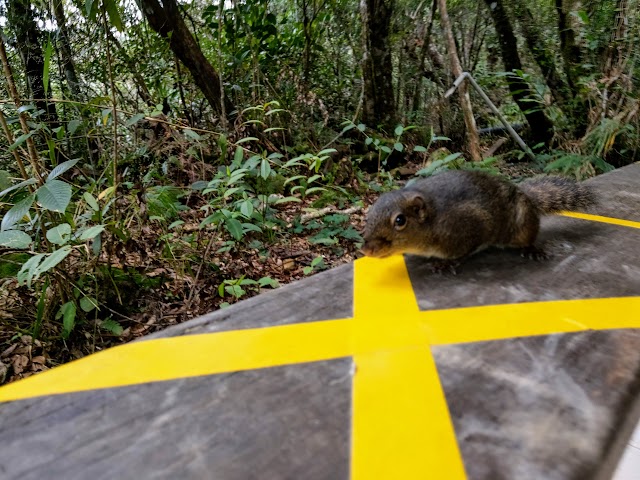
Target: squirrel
{"type": "Point", "coordinates": [459, 212]}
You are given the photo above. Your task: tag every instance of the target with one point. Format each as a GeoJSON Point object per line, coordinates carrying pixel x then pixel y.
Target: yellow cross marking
{"type": "Point", "coordinates": [401, 426]}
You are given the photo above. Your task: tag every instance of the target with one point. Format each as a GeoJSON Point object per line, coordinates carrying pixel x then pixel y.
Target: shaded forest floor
{"type": "Point", "coordinates": [155, 290]}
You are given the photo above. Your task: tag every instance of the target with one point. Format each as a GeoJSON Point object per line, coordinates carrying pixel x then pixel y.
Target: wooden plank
{"type": "Point", "coordinates": [541, 407]}
{"type": "Point", "coordinates": [278, 423]}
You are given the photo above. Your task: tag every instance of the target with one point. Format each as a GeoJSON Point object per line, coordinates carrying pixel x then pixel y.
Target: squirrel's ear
{"type": "Point", "coordinates": [417, 205]}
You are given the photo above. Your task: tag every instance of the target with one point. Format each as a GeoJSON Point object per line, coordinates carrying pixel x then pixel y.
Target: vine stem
{"type": "Point", "coordinates": [114, 117]}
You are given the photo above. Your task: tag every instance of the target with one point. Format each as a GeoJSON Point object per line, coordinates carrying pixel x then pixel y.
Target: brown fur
{"type": "Point", "coordinates": [457, 213]}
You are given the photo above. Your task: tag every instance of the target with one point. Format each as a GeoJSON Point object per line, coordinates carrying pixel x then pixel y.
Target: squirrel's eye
{"type": "Point", "coordinates": [400, 221]}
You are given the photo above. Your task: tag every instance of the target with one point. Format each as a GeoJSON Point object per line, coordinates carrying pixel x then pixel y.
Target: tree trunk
{"type": "Point", "coordinates": [541, 127]}
{"type": "Point", "coordinates": [65, 50]}
{"type": "Point", "coordinates": [541, 54]}
{"type": "Point", "coordinates": [378, 104]}
{"type": "Point", "coordinates": [166, 20]}
{"type": "Point", "coordinates": [473, 140]}
{"type": "Point", "coordinates": [28, 43]}
{"type": "Point", "coordinates": [570, 51]}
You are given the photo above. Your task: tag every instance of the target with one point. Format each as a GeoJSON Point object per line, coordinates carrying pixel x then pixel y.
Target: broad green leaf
{"type": "Point", "coordinates": [31, 181]}
{"type": "Point", "coordinates": [20, 140]}
{"type": "Point", "coordinates": [385, 149]}
{"type": "Point", "coordinates": [16, 213]}
{"type": "Point", "coordinates": [68, 311]}
{"type": "Point", "coordinates": [135, 119]}
{"type": "Point", "coordinates": [91, 201]}
{"type": "Point", "coordinates": [60, 169]}
{"type": "Point", "coordinates": [114, 16]}
{"type": "Point", "coordinates": [238, 155]}
{"type": "Point", "coordinates": [47, 60]}
{"type": "Point", "coordinates": [399, 130]}
{"type": "Point", "coordinates": [419, 148]}
{"type": "Point", "coordinates": [73, 125]}
{"type": "Point", "coordinates": [59, 235]}
{"type": "Point", "coordinates": [54, 195]}
{"type": "Point", "coordinates": [250, 227]}
{"type": "Point", "coordinates": [246, 208]}
{"type": "Point", "coordinates": [234, 227]}
{"type": "Point", "coordinates": [52, 260]}
{"type": "Point", "coordinates": [14, 239]}
{"type": "Point", "coordinates": [268, 282]}
{"type": "Point", "coordinates": [27, 272]}
{"type": "Point", "coordinates": [91, 232]}
{"type": "Point", "coordinates": [88, 303]}
{"type": "Point", "coordinates": [265, 169]}
{"type": "Point", "coordinates": [398, 146]}
{"type": "Point", "coordinates": [191, 134]}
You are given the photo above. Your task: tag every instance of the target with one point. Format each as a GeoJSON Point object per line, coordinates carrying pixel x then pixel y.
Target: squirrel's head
{"type": "Point", "coordinates": [396, 223]}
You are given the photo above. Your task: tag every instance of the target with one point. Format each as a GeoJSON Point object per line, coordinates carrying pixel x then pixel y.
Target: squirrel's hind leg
{"type": "Point", "coordinates": [526, 232]}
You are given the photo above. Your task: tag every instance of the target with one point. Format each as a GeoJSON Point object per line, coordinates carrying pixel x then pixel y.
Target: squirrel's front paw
{"type": "Point", "coordinates": [442, 267]}
{"type": "Point", "coordinates": [534, 253]}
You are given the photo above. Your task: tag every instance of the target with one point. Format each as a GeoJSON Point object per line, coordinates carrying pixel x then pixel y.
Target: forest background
{"type": "Point", "coordinates": [161, 159]}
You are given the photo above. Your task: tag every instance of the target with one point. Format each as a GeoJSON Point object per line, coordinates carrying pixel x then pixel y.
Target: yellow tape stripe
{"type": "Point", "coordinates": [401, 426]}
{"type": "Point", "coordinates": [598, 218]}
{"type": "Point", "coordinates": [190, 356]}
{"type": "Point", "coordinates": [495, 322]}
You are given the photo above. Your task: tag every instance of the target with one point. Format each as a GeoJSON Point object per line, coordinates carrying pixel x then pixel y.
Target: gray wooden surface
{"type": "Point", "coordinates": [548, 407]}
{"type": "Point", "coordinates": [277, 423]}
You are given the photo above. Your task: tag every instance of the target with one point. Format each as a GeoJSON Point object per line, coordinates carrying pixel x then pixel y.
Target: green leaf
{"type": "Point", "coordinates": [234, 227]}
{"type": "Point", "coordinates": [47, 60]}
{"type": "Point", "coordinates": [398, 146]}
{"type": "Point", "coordinates": [385, 149]}
{"type": "Point", "coordinates": [14, 239]}
{"type": "Point", "coordinates": [88, 303]}
{"type": "Point", "coordinates": [91, 232]}
{"type": "Point", "coordinates": [114, 16]}
{"type": "Point", "coordinates": [235, 290]}
{"type": "Point", "coordinates": [135, 119]}
{"type": "Point", "coordinates": [91, 201]}
{"type": "Point", "coordinates": [52, 260]}
{"type": "Point", "coordinates": [16, 213]}
{"type": "Point", "coordinates": [111, 326]}
{"type": "Point", "coordinates": [246, 208]}
{"type": "Point", "coordinates": [54, 195]}
{"type": "Point", "coordinates": [91, 7]}
{"type": "Point", "coordinates": [5, 180]}
{"type": "Point", "coordinates": [191, 134]}
{"type": "Point", "coordinates": [63, 167]}
{"type": "Point", "coordinates": [238, 156]}
{"type": "Point", "coordinates": [451, 157]}
{"type": "Point", "coordinates": [27, 272]}
{"type": "Point", "coordinates": [73, 125]}
{"type": "Point", "coordinates": [20, 140]}
{"type": "Point", "coordinates": [268, 282]}
{"type": "Point", "coordinates": [59, 235]}
{"type": "Point", "coordinates": [399, 130]}
{"type": "Point", "coordinates": [68, 311]}
{"type": "Point", "coordinates": [419, 148]}
{"type": "Point", "coordinates": [31, 181]}
{"type": "Point", "coordinates": [246, 139]}
{"type": "Point", "coordinates": [265, 168]}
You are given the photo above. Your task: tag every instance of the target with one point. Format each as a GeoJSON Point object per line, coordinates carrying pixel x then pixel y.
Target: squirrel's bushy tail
{"type": "Point", "coordinates": [554, 194]}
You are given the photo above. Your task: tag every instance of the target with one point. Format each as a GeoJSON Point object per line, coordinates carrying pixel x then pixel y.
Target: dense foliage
{"type": "Point", "coordinates": [158, 160]}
